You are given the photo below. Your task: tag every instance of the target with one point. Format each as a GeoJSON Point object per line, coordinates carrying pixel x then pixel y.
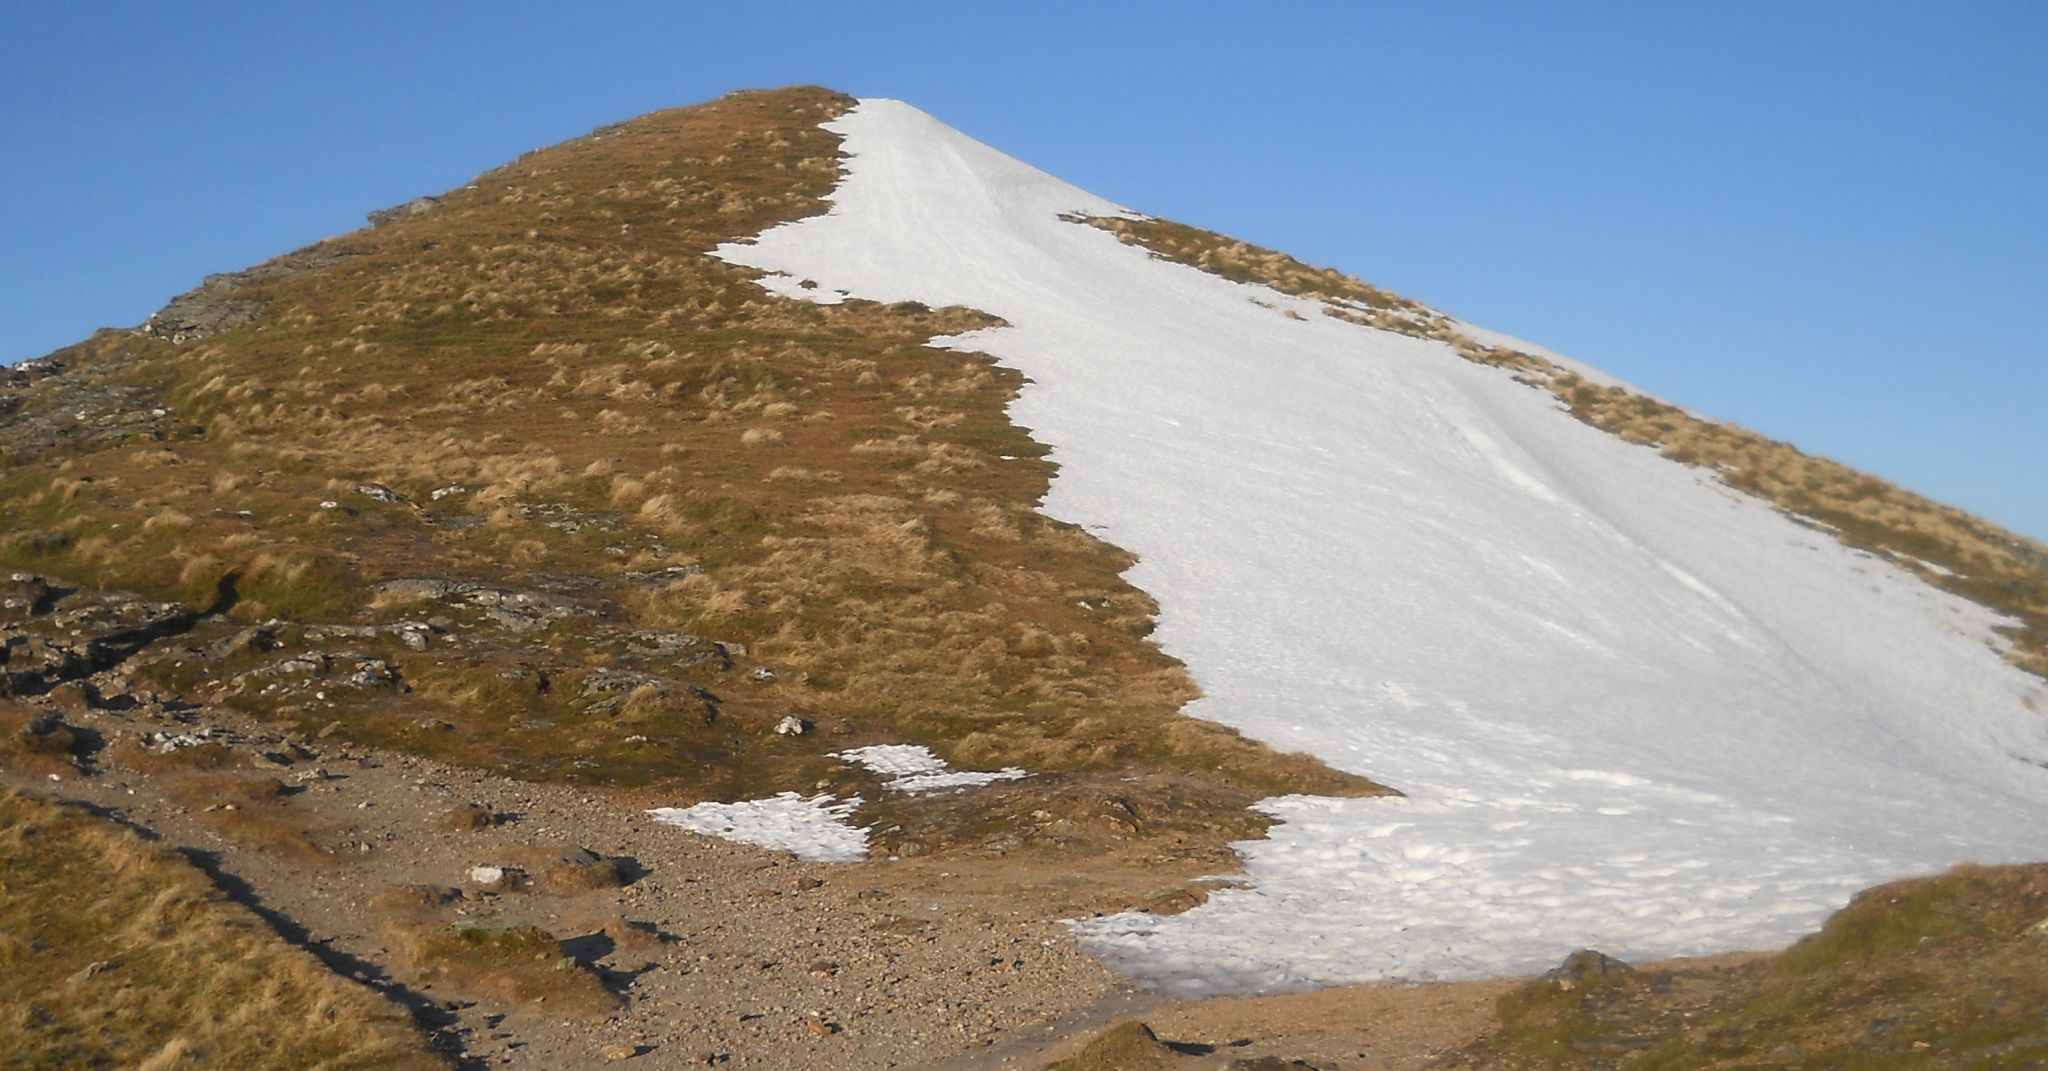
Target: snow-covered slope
{"type": "Point", "coordinates": [1631, 708]}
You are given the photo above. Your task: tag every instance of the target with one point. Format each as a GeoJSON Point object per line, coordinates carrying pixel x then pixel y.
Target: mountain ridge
{"type": "Point", "coordinates": [521, 479]}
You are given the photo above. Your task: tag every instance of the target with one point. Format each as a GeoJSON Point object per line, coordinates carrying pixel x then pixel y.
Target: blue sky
{"type": "Point", "coordinates": [1826, 221]}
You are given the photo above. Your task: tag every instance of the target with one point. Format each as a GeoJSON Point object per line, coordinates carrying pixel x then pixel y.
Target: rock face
{"type": "Point", "coordinates": [416, 207]}
{"type": "Point", "coordinates": [218, 304]}
{"type": "Point", "coordinates": [62, 403]}
{"type": "Point", "coordinates": [205, 310]}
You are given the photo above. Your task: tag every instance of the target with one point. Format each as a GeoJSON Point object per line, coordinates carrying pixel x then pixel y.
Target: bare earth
{"type": "Point", "coordinates": [760, 960]}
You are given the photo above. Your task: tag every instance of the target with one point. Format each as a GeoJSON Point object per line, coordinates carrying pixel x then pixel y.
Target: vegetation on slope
{"type": "Point", "coordinates": [119, 954]}
{"type": "Point", "coordinates": [530, 481]}
{"type": "Point", "coordinates": [1940, 972]}
{"type": "Point", "coordinates": [1945, 546]}
{"type": "Point", "coordinates": [1930, 973]}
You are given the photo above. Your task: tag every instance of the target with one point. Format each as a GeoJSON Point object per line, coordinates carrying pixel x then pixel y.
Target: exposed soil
{"type": "Point", "coordinates": [749, 958]}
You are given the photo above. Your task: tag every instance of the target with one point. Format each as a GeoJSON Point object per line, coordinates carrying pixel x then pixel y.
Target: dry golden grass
{"type": "Point", "coordinates": [119, 954]}
{"type": "Point", "coordinates": [1940, 972]}
{"type": "Point", "coordinates": [31, 744]}
{"type": "Point", "coordinates": [494, 957]}
{"type": "Point", "coordinates": [1944, 546]}
{"type": "Point", "coordinates": [552, 340]}
{"type": "Point", "coordinates": [252, 808]}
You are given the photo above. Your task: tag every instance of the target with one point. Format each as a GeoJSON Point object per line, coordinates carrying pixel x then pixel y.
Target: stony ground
{"type": "Point", "coordinates": [536, 925]}
{"type": "Point", "coordinates": [660, 946]}
{"type": "Point", "coordinates": [746, 957]}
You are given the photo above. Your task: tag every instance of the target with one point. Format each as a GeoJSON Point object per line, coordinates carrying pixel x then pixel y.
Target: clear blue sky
{"type": "Point", "coordinates": [1827, 221]}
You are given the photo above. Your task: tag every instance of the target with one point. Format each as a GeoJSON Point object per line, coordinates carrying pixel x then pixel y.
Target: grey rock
{"type": "Point", "coordinates": [1587, 967]}
{"type": "Point", "coordinates": [380, 493]}
{"type": "Point", "coordinates": [418, 206]}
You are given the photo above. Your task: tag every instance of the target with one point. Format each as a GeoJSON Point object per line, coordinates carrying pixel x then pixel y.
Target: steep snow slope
{"type": "Point", "coordinates": [1631, 708]}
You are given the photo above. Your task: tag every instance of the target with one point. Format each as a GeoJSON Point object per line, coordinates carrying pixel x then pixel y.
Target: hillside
{"type": "Point", "coordinates": [798, 470]}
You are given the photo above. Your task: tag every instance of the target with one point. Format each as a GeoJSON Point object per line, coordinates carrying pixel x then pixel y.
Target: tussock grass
{"type": "Point", "coordinates": [812, 482]}
{"type": "Point", "coordinates": [494, 956]}
{"type": "Point", "coordinates": [1940, 972]}
{"type": "Point", "coordinates": [1127, 1046]}
{"type": "Point", "coordinates": [116, 953]}
{"type": "Point", "coordinates": [32, 743]}
{"type": "Point", "coordinates": [1943, 545]}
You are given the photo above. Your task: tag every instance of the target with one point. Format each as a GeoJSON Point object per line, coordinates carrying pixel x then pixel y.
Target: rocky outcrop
{"type": "Point", "coordinates": [221, 303]}
{"type": "Point", "coordinates": [418, 206]}
{"type": "Point", "coordinates": [61, 402]}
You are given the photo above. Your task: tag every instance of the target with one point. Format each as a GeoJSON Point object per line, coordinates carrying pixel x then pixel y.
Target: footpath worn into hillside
{"type": "Point", "coordinates": [531, 925]}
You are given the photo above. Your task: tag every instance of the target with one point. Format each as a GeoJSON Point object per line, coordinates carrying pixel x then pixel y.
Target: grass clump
{"type": "Point", "coordinates": [1941, 972]}
{"type": "Point", "coordinates": [39, 743]}
{"type": "Point", "coordinates": [546, 379]}
{"type": "Point", "coordinates": [120, 954]}
{"type": "Point", "coordinates": [1127, 1046]}
{"type": "Point", "coordinates": [501, 958]}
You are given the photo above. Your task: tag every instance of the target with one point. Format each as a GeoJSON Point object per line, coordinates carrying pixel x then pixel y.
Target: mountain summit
{"type": "Point", "coordinates": [806, 472]}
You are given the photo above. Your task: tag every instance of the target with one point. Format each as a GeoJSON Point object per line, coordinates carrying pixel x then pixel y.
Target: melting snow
{"type": "Point", "coordinates": [811, 827]}
{"type": "Point", "coordinates": [913, 768]}
{"type": "Point", "coordinates": [1631, 708]}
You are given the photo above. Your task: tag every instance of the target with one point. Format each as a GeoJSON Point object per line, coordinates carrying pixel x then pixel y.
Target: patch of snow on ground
{"type": "Point", "coordinates": [810, 827]}
{"type": "Point", "coordinates": [913, 768]}
{"type": "Point", "coordinates": [1631, 709]}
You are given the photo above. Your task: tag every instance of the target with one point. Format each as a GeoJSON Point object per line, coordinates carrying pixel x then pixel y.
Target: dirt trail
{"type": "Point", "coordinates": [763, 961]}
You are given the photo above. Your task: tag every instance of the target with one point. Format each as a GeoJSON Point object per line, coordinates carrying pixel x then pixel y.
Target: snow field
{"type": "Point", "coordinates": [1631, 708]}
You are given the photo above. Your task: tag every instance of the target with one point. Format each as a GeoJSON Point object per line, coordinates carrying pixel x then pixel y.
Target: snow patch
{"type": "Point", "coordinates": [1631, 709]}
{"type": "Point", "coordinates": [810, 827]}
{"type": "Point", "coordinates": [914, 768]}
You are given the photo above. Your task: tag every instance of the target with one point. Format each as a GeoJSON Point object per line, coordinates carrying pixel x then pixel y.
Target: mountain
{"type": "Point", "coordinates": [801, 471]}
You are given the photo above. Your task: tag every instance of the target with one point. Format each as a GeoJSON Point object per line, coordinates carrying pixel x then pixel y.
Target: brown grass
{"type": "Point", "coordinates": [31, 744]}
{"type": "Point", "coordinates": [1939, 972]}
{"type": "Point", "coordinates": [551, 340]}
{"type": "Point", "coordinates": [497, 957]}
{"type": "Point", "coordinates": [119, 954]}
{"type": "Point", "coordinates": [253, 808]}
{"type": "Point", "coordinates": [1944, 546]}
{"type": "Point", "coordinates": [1127, 1046]}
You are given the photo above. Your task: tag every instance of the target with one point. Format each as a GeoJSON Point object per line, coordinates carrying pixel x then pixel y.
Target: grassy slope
{"type": "Point", "coordinates": [1940, 972]}
{"type": "Point", "coordinates": [1924, 974]}
{"type": "Point", "coordinates": [119, 954]}
{"type": "Point", "coordinates": [1945, 546]}
{"type": "Point", "coordinates": [812, 482]}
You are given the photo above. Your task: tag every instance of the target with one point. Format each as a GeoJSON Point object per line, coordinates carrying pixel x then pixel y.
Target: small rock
{"type": "Point", "coordinates": [255, 638]}
{"type": "Point", "coordinates": [415, 207]}
{"type": "Point", "coordinates": [379, 492]}
{"type": "Point", "coordinates": [496, 878]}
{"type": "Point", "coordinates": [1586, 968]}
{"type": "Point", "coordinates": [791, 725]}
{"type": "Point", "coordinates": [762, 675]}
{"type": "Point", "coordinates": [90, 970]}
{"type": "Point", "coordinates": [618, 1052]}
